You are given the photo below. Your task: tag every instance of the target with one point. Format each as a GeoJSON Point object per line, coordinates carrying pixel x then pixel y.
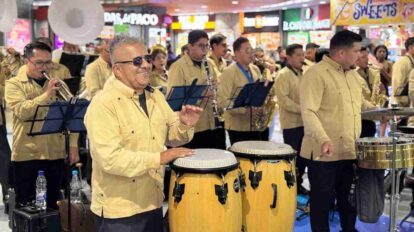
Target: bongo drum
{"type": "Point", "coordinates": [269, 198]}
{"type": "Point", "coordinates": [205, 193]}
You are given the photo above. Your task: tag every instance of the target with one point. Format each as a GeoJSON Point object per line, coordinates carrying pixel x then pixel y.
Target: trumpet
{"type": "Point", "coordinates": [64, 91]}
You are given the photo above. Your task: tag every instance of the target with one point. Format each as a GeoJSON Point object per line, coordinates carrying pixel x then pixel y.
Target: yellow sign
{"type": "Point", "coordinates": [370, 12]}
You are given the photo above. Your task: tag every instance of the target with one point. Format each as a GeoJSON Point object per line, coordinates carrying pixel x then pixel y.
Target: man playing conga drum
{"type": "Point", "coordinates": [128, 124]}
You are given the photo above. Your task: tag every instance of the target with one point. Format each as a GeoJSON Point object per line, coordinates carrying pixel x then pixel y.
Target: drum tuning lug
{"type": "Point", "coordinates": [290, 178]}
{"type": "Point", "coordinates": [255, 178]}
{"type": "Point", "coordinates": [178, 192]}
{"type": "Point", "coordinates": [221, 192]}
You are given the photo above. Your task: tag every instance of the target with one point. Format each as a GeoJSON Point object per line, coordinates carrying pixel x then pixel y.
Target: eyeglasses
{"type": "Point", "coordinates": [137, 61]}
{"type": "Point", "coordinates": [202, 46]}
{"type": "Point", "coordinates": [40, 64]}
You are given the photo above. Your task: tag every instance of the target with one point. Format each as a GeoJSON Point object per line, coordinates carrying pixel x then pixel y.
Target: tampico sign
{"type": "Point", "coordinates": [118, 18]}
{"type": "Point", "coordinates": [193, 22]}
{"type": "Point", "coordinates": [260, 21]}
{"type": "Point", "coordinates": [366, 12]}
{"type": "Point", "coordinates": [306, 19]}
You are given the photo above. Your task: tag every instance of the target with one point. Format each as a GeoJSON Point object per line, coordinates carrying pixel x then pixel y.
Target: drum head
{"type": "Point", "coordinates": [382, 141]}
{"type": "Point", "coordinates": [263, 150]}
{"type": "Point", "coordinates": [206, 161]}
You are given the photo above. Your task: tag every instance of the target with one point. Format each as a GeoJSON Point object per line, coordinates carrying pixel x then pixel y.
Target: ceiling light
{"type": "Point", "coordinates": [235, 12]}
{"type": "Point", "coordinates": [304, 5]}
{"type": "Point", "coordinates": [177, 10]}
{"type": "Point", "coordinates": [284, 8]}
{"type": "Point", "coordinates": [234, 2]}
{"type": "Point", "coordinates": [204, 6]}
{"type": "Point", "coordinates": [323, 2]}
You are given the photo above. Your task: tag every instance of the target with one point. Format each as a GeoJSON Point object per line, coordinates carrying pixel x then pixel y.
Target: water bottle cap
{"type": "Point", "coordinates": [40, 173]}
{"type": "Point", "coordinates": [74, 172]}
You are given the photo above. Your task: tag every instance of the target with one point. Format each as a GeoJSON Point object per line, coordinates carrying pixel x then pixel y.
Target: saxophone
{"type": "Point", "coordinates": [378, 98]}
{"type": "Point", "coordinates": [218, 119]}
{"type": "Point", "coordinates": [264, 116]}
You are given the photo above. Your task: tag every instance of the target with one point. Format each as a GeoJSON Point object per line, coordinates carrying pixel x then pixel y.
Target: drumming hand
{"type": "Point", "coordinates": [327, 149]}
{"type": "Point", "coordinates": [189, 115]}
{"type": "Point", "coordinates": [174, 153]}
{"type": "Point", "coordinates": [52, 86]}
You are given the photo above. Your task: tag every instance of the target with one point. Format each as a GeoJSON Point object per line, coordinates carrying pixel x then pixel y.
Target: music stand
{"type": "Point", "coordinates": [73, 84]}
{"type": "Point", "coordinates": [187, 95]}
{"type": "Point", "coordinates": [74, 62]}
{"type": "Point", "coordinates": [249, 96]}
{"type": "Point", "coordinates": [65, 118]}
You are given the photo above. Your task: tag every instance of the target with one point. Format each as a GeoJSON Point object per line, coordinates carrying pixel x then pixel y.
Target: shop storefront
{"type": "Point", "coordinates": [262, 29]}
{"type": "Point", "coordinates": [310, 24]}
{"type": "Point", "coordinates": [385, 22]}
{"type": "Point", "coordinates": [183, 24]}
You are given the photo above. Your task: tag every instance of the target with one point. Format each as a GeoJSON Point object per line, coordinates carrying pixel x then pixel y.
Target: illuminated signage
{"type": "Point", "coordinates": [118, 18]}
{"type": "Point", "coordinates": [260, 21]}
{"type": "Point", "coordinates": [192, 22]}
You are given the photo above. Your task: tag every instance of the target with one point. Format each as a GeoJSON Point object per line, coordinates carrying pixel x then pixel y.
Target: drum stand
{"type": "Point", "coordinates": [395, 196]}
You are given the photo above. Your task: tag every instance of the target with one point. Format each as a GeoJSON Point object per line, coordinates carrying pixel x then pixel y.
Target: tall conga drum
{"type": "Point", "coordinates": [205, 193]}
{"type": "Point", "coordinates": [269, 197]}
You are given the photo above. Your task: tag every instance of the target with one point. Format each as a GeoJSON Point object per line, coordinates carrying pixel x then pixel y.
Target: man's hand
{"type": "Point", "coordinates": [189, 115]}
{"type": "Point", "coordinates": [52, 87]}
{"type": "Point", "coordinates": [174, 153]}
{"type": "Point", "coordinates": [327, 149]}
{"type": "Point", "coordinates": [73, 155]}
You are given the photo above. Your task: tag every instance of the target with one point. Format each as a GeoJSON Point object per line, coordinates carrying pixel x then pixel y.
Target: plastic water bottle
{"type": "Point", "coordinates": [75, 188]}
{"type": "Point", "coordinates": [41, 190]}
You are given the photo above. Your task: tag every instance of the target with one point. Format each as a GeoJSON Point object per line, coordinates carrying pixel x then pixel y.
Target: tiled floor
{"type": "Point", "coordinates": [303, 225]}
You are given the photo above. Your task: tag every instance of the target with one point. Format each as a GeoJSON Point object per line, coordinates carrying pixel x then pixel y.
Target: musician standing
{"type": "Point", "coordinates": [218, 45]}
{"type": "Point", "coordinates": [372, 90]}
{"type": "Point", "coordinates": [267, 71]}
{"type": "Point", "coordinates": [331, 101]}
{"type": "Point", "coordinates": [238, 121]}
{"type": "Point", "coordinates": [128, 124]}
{"type": "Point", "coordinates": [287, 92]}
{"type": "Point", "coordinates": [99, 71]}
{"type": "Point", "coordinates": [24, 93]}
{"type": "Point", "coordinates": [159, 75]}
{"type": "Point", "coordinates": [310, 52]}
{"type": "Point", "coordinates": [400, 73]}
{"type": "Point", "coordinates": [182, 73]}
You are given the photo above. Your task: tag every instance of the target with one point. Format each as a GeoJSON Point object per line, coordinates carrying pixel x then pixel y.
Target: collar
{"type": "Point", "coordinates": [326, 59]}
{"type": "Point", "coordinates": [296, 72]}
{"type": "Point", "coordinates": [187, 59]}
{"type": "Point", "coordinates": [216, 60]}
{"type": "Point", "coordinates": [127, 91]}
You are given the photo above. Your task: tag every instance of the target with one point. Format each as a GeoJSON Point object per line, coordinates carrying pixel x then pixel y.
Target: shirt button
{"type": "Point", "coordinates": [153, 138]}
{"type": "Point", "coordinates": [133, 180]}
{"type": "Point", "coordinates": [101, 195]}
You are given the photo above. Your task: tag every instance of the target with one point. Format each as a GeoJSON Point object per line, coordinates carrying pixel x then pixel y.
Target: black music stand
{"type": "Point", "coordinates": [187, 95]}
{"type": "Point", "coordinates": [64, 118]}
{"type": "Point", "coordinates": [249, 96]}
{"type": "Point", "coordinates": [74, 84]}
{"type": "Point", "coordinates": [74, 62]}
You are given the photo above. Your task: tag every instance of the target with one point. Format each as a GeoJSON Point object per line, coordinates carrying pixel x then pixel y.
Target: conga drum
{"type": "Point", "coordinates": [205, 193]}
{"type": "Point", "coordinates": [269, 197]}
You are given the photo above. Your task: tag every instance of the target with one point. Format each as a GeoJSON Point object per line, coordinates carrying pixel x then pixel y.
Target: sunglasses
{"type": "Point", "coordinates": [137, 61]}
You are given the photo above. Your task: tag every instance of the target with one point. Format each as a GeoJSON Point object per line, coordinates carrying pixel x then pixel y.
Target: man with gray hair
{"type": "Point", "coordinates": [129, 124]}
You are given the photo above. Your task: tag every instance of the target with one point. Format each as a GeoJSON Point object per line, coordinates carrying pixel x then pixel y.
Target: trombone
{"type": "Point", "coordinates": [64, 91]}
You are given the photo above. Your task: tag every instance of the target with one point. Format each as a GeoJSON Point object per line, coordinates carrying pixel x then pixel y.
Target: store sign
{"type": "Point", "coordinates": [306, 19]}
{"type": "Point", "coordinates": [193, 22]}
{"type": "Point", "coordinates": [372, 12]}
{"type": "Point", "coordinates": [260, 21]}
{"type": "Point", "coordinates": [118, 18]}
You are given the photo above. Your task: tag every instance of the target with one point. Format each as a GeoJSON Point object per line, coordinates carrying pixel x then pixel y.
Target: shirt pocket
{"type": "Point", "coordinates": [129, 135]}
{"type": "Point", "coordinates": [159, 124]}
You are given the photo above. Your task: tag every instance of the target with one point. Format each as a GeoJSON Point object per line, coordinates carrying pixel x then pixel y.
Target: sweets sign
{"type": "Point", "coordinates": [365, 12]}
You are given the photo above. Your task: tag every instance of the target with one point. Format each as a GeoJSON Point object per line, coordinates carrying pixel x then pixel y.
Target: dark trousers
{"type": "Point", "coordinates": [329, 180]}
{"type": "Point", "coordinates": [150, 221]}
{"type": "Point", "coordinates": [25, 174]}
{"type": "Point", "coordinates": [208, 139]}
{"type": "Point", "coordinates": [5, 155]}
{"type": "Point", "coordinates": [368, 129]}
{"type": "Point", "coordinates": [238, 136]}
{"type": "Point", "coordinates": [294, 137]}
